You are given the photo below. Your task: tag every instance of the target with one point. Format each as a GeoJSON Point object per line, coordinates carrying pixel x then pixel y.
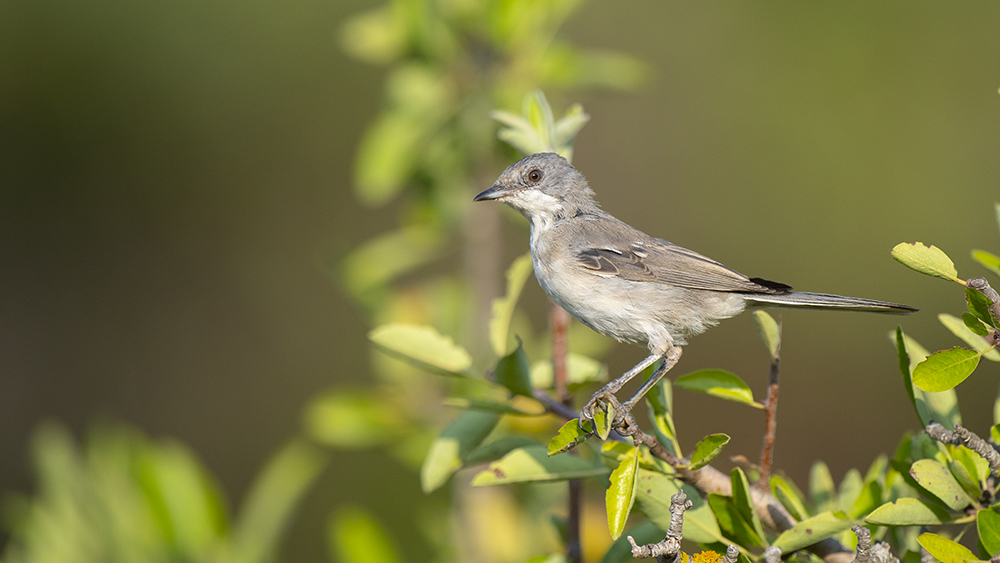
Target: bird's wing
{"type": "Point", "coordinates": [632, 255]}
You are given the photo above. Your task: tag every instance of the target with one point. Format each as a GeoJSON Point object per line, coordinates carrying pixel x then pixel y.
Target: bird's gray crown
{"type": "Point", "coordinates": [542, 180]}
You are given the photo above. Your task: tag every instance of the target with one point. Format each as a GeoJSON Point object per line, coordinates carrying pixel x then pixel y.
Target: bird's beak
{"type": "Point", "coordinates": [496, 191]}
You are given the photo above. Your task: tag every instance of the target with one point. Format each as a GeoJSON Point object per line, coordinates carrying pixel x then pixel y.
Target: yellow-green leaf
{"type": "Point", "coordinates": [929, 260]}
{"type": "Point", "coordinates": [770, 332]}
{"type": "Point", "coordinates": [448, 451]}
{"type": "Point", "coordinates": [503, 308]}
{"type": "Point", "coordinates": [620, 495]}
{"type": "Point", "coordinates": [989, 260]}
{"type": "Point", "coordinates": [706, 450]}
{"type": "Point", "coordinates": [958, 327]}
{"type": "Point", "coordinates": [812, 530]}
{"type": "Point", "coordinates": [718, 383]}
{"type": "Point", "coordinates": [533, 464]}
{"type": "Point", "coordinates": [988, 526]}
{"type": "Point", "coordinates": [944, 370]}
{"type": "Point", "coordinates": [604, 416]}
{"type": "Point", "coordinates": [908, 512]}
{"type": "Point", "coordinates": [945, 550]}
{"type": "Point", "coordinates": [938, 480]}
{"type": "Point", "coordinates": [423, 346]}
{"type": "Point", "coordinates": [568, 437]}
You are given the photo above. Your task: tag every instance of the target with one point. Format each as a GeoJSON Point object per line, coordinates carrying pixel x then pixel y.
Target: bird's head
{"type": "Point", "coordinates": [543, 184]}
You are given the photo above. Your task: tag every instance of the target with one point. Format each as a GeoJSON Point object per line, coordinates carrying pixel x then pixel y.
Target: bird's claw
{"type": "Point", "coordinates": [602, 400]}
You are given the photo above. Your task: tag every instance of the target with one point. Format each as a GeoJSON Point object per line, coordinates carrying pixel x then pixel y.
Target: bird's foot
{"type": "Point", "coordinates": [605, 401]}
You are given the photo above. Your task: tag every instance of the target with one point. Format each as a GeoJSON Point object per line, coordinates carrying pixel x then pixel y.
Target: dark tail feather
{"type": "Point", "coordinates": [826, 301]}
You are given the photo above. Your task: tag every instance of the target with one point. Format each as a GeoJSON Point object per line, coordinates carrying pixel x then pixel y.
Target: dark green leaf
{"type": "Point", "coordinates": [979, 305]}
{"type": "Point", "coordinates": [926, 260]}
{"type": "Point", "coordinates": [731, 523]}
{"type": "Point", "coordinates": [620, 495]}
{"type": "Point", "coordinates": [812, 530]}
{"type": "Point", "coordinates": [974, 324]}
{"type": "Point", "coordinates": [569, 436]}
{"type": "Point", "coordinates": [908, 512]}
{"type": "Point", "coordinates": [706, 450]}
{"type": "Point", "coordinates": [533, 464]}
{"type": "Point", "coordinates": [988, 526]}
{"type": "Point", "coordinates": [744, 502]}
{"type": "Point", "coordinates": [448, 451]}
{"type": "Point", "coordinates": [718, 383]}
{"type": "Point", "coordinates": [643, 533]}
{"type": "Point", "coordinates": [945, 550]}
{"type": "Point", "coordinates": [958, 328]}
{"type": "Point", "coordinates": [940, 407]}
{"type": "Point", "coordinates": [513, 372]}
{"type": "Point", "coordinates": [944, 370]}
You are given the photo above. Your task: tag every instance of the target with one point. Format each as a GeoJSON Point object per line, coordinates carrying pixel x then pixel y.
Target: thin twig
{"type": "Point", "coordinates": [965, 437]}
{"type": "Point", "coordinates": [770, 422]}
{"type": "Point", "coordinates": [559, 324]}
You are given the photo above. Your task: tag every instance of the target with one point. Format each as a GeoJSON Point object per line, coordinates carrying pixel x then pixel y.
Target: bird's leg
{"type": "Point", "coordinates": [669, 361]}
{"type": "Point", "coordinates": [607, 393]}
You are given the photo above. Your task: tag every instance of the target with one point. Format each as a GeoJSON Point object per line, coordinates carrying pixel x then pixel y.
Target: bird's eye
{"type": "Point", "coordinates": [535, 176]}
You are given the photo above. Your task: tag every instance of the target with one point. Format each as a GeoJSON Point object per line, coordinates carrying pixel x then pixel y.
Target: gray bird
{"type": "Point", "coordinates": [630, 286]}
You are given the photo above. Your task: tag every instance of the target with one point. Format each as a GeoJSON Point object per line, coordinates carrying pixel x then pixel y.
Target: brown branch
{"type": "Point", "coordinates": [559, 325]}
{"type": "Point", "coordinates": [770, 424]}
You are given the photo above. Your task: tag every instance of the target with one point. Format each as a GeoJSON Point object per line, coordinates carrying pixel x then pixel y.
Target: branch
{"type": "Point", "coordinates": [867, 553]}
{"type": "Point", "coordinates": [770, 425]}
{"type": "Point", "coordinates": [964, 437]}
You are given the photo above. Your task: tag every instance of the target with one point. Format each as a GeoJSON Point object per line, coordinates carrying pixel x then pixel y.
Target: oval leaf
{"type": "Point", "coordinates": [744, 502]}
{"type": "Point", "coordinates": [422, 346]}
{"type": "Point", "coordinates": [908, 512]}
{"type": "Point", "coordinates": [812, 530]}
{"type": "Point", "coordinates": [568, 437]}
{"type": "Point", "coordinates": [706, 450]}
{"type": "Point", "coordinates": [945, 550]}
{"type": "Point", "coordinates": [513, 372]}
{"type": "Point", "coordinates": [821, 488]}
{"type": "Point", "coordinates": [621, 494]}
{"type": "Point", "coordinates": [718, 383]}
{"type": "Point", "coordinates": [944, 370]}
{"type": "Point", "coordinates": [533, 464]}
{"type": "Point", "coordinates": [989, 260]}
{"type": "Point", "coordinates": [974, 324]}
{"type": "Point", "coordinates": [448, 450]}
{"type": "Point", "coordinates": [770, 332]}
{"type": "Point", "coordinates": [926, 260]}
{"type": "Point", "coordinates": [988, 526]}
{"type": "Point", "coordinates": [936, 478]}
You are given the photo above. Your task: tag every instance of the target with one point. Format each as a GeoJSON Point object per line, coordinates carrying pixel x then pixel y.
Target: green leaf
{"type": "Point", "coordinates": [356, 536]}
{"type": "Point", "coordinates": [268, 508]}
{"type": "Point", "coordinates": [821, 489]}
{"type": "Point", "coordinates": [979, 305]}
{"type": "Point", "coordinates": [706, 450]}
{"type": "Point", "coordinates": [965, 478]}
{"type": "Point", "coordinates": [448, 450]}
{"type": "Point", "coordinates": [620, 495]}
{"type": "Point", "coordinates": [731, 523]}
{"type": "Point", "coordinates": [496, 449]}
{"type": "Point", "coordinates": [503, 308]}
{"type": "Point", "coordinates": [660, 404]}
{"type": "Point", "coordinates": [812, 530]}
{"type": "Point", "coordinates": [422, 346]}
{"type": "Point", "coordinates": [653, 500]}
{"type": "Point", "coordinates": [908, 512]}
{"type": "Point", "coordinates": [945, 369]}
{"type": "Point", "coordinates": [940, 407]}
{"type": "Point", "coordinates": [938, 480]}
{"type": "Point", "coordinates": [988, 526]}
{"type": "Point", "coordinates": [945, 550]}
{"type": "Point", "coordinates": [867, 500]}
{"type": "Point", "coordinates": [718, 383]}
{"type": "Point", "coordinates": [568, 437]}
{"type": "Point", "coordinates": [513, 372]}
{"type": "Point", "coordinates": [958, 327]}
{"type": "Point", "coordinates": [989, 260]}
{"type": "Point", "coordinates": [974, 324]}
{"type": "Point", "coordinates": [770, 332]}
{"type": "Point", "coordinates": [351, 420]}
{"type": "Point", "coordinates": [789, 497]}
{"type": "Point", "coordinates": [471, 403]}
{"type": "Point", "coordinates": [533, 464]}
{"type": "Point", "coordinates": [850, 487]}
{"type": "Point", "coordinates": [604, 416]}
{"type": "Point", "coordinates": [926, 260]}
{"type": "Point", "coordinates": [744, 502]}
{"type": "Point", "coordinates": [643, 533]}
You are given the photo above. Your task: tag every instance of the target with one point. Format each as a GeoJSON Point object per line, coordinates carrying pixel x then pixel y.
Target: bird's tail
{"type": "Point", "coordinates": [804, 300]}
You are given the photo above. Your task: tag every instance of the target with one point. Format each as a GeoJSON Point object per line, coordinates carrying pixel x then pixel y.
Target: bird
{"type": "Point", "coordinates": [628, 285]}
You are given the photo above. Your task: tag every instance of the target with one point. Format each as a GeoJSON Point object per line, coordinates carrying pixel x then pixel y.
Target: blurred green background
{"type": "Point", "coordinates": [175, 181]}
